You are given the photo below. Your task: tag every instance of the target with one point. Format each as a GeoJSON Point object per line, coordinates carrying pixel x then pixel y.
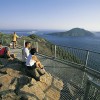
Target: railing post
{"type": "Point", "coordinates": [37, 47]}
{"type": "Point", "coordinates": [55, 51]}
{"type": "Point", "coordinates": [87, 57]}
{"type": "Point", "coordinates": [87, 90]}
{"type": "Point", "coordinates": [86, 62]}
{"type": "Point", "coordinates": [24, 43]}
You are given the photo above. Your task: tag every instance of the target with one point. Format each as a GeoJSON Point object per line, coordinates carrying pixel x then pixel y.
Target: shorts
{"type": "Point", "coordinates": [31, 67]}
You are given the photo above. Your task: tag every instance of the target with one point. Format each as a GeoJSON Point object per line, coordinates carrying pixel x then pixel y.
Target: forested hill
{"type": "Point", "coordinates": [75, 32]}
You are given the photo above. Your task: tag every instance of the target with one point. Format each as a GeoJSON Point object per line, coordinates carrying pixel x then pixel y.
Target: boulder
{"type": "Point", "coordinates": [34, 91]}
{"type": "Point", "coordinates": [53, 94]}
{"type": "Point", "coordinates": [58, 83]}
{"type": "Point", "coordinates": [10, 96]}
{"type": "Point", "coordinates": [3, 70]}
{"type": "Point", "coordinates": [16, 85]}
{"type": "Point", "coordinates": [5, 80]}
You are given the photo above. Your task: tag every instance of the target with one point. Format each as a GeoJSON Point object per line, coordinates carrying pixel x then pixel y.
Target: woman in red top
{"type": "Point", "coordinates": [5, 52]}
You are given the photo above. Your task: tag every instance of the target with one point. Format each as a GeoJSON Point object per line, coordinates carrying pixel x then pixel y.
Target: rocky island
{"type": "Point", "coordinates": [75, 32]}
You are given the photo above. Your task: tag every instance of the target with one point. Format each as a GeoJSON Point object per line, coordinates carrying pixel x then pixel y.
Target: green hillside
{"type": "Point", "coordinates": [75, 32]}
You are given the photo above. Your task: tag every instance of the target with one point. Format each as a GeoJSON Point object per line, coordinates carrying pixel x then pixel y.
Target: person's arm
{"type": "Point", "coordinates": [35, 58]}
{"type": "Point", "coordinates": [17, 36]}
{"type": "Point", "coordinates": [8, 53]}
{"type": "Point", "coordinates": [26, 52]}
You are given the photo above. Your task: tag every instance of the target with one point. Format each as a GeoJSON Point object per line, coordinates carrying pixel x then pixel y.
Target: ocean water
{"type": "Point", "coordinates": [87, 43]}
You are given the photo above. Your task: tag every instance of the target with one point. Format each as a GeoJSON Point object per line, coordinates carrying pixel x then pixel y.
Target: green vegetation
{"type": "Point", "coordinates": [75, 32]}
{"type": "Point", "coordinates": [45, 47]}
{"type": "Point", "coordinates": [5, 38]}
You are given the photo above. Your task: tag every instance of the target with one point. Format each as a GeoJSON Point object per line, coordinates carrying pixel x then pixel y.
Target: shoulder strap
{"type": "Point", "coordinates": [6, 49]}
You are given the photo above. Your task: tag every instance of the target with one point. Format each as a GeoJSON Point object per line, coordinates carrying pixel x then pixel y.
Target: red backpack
{"type": "Point", "coordinates": [2, 51]}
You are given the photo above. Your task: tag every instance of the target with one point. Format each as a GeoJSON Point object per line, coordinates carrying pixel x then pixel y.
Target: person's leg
{"type": "Point", "coordinates": [13, 55]}
{"type": "Point", "coordinates": [32, 72]}
{"type": "Point", "coordinates": [13, 44]}
{"type": "Point", "coordinates": [40, 68]}
{"type": "Point", "coordinates": [40, 71]}
{"type": "Point", "coordinates": [38, 64]}
{"type": "Point", "coordinates": [36, 74]}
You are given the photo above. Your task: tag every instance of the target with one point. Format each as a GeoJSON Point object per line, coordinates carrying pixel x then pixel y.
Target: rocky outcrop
{"type": "Point", "coordinates": [15, 84]}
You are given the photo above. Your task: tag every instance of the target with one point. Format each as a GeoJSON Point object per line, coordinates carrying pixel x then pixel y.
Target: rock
{"type": "Point", "coordinates": [5, 80]}
{"type": "Point", "coordinates": [45, 81]}
{"type": "Point", "coordinates": [10, 96]}
{"type": "Point", "coordinates": [42, 85]}
{"type": "Point", "coordinates": [16, 85]}
{"type": "Point", "coordinates": [13, 73]}
{"type": "Point", "coordinates": [53, 94]}
{"type": "Point", "coordinates": [13, 84]}
{"type": "Point", "coordinates": [3, 70]}
{"type": "Point", "coordinates": [46, 78]}
{"type": "Point", "coordinates": [33, 81]}
{"type": "Point", "coordinates": [33, 91]}
{"type": "Point", "coordinates": [58, 83]}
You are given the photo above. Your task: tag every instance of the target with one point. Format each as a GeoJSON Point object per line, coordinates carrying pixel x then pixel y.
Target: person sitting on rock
{"type": "Point", "coordinates": [9, 54]}
{"type": "Point", "coordinates": [5, 52]}
{"type": "Point", "coordinates": [26, 52]}
{"type": "Point", "coordinates": [34, 66]}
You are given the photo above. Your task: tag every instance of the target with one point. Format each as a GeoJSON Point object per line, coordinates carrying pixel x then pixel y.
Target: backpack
{"type": "Point", "coordinates": [3, 51]}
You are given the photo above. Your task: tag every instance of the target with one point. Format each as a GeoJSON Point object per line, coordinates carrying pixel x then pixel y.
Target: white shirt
{"type": "Point", "coordinates": [25, 54]}
{"type": "Point", "coordinates": [30, 61]}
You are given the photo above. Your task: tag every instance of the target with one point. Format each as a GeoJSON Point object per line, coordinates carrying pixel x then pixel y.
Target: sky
{"type": "Point", "coordinates": [50, 14]}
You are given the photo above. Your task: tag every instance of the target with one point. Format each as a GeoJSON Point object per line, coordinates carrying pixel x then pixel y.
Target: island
{"type": "Point", "coordinates": [75, 32]}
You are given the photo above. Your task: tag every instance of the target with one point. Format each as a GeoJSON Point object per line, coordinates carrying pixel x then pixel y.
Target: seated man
{"type": "Point", "coordinates": [5, 52]}
{"type": "Point", "coordinates": [34, 66]}
{"type": "Point", "coordinates": [25, 51]}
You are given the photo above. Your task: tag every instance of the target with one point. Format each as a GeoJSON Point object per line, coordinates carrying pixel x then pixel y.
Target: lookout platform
{"type": "Point", "coordinates": [73, 77]}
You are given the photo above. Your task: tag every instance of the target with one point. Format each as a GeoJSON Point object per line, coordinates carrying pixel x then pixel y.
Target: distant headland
{"type": "Point", "coordinates": [75, 32]}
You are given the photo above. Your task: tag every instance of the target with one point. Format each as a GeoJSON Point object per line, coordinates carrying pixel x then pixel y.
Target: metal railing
{"type": "Point", "coordinates": [92, 91]}
{"type": "Point", "coordinates": [74, 87]}
{"type": "Point", "coordinates": [89, 61]}
{"type": "Point", "coordinates": [86, 58]}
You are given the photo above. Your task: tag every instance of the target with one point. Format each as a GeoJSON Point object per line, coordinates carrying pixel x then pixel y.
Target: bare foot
{"type": "Point", "coordinates": [11, 59]}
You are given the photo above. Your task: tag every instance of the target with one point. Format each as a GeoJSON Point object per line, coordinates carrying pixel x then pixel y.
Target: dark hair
{"type": "Point", "coordinates": [33, 51]}
{"type": "Point", "coordinates": [0, 43]}
{"type": "Point", "coordinates": [26, 43]}
{"type": "Point", "coordinates": [14, 32]}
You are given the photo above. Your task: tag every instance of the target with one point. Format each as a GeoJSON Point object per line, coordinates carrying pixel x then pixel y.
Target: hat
{"type": "Point", "coordinates": [10, 44]}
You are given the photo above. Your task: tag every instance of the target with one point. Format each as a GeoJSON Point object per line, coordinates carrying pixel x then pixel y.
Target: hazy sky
{"type": "Point", "coordinates": [50, 14]}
